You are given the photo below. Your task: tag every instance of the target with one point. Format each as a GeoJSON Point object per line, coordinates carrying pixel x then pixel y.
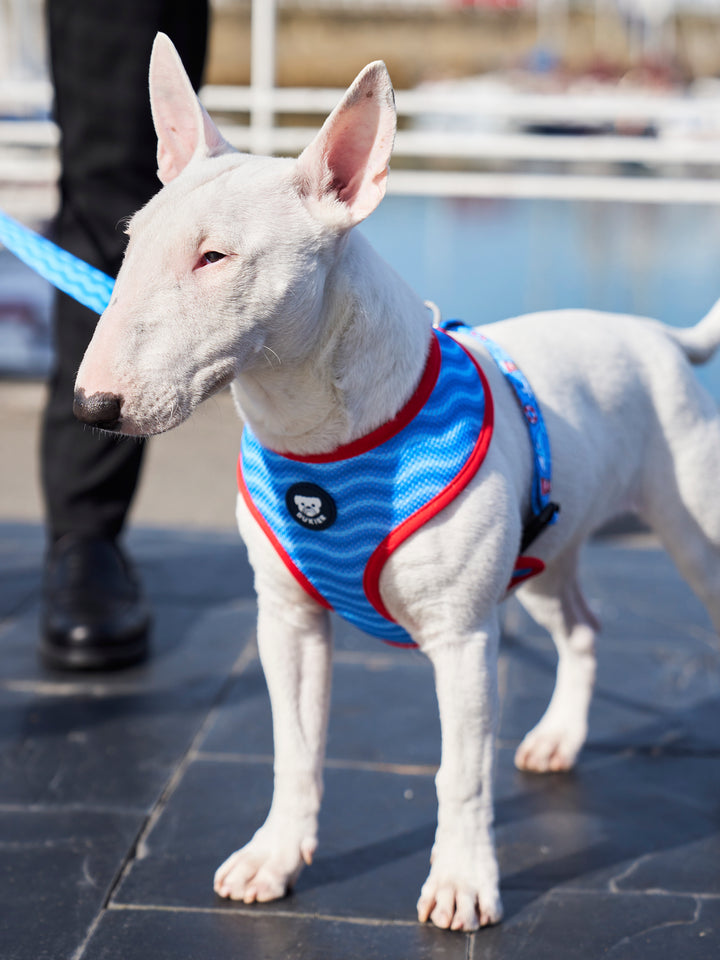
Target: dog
{"type": "Point", "coordinates": [246, 270]}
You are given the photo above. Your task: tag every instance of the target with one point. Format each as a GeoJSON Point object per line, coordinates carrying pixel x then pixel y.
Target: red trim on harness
{"type": "Point", "coordinates": [525, 567]}
{"type": "Point", "coordinates": [282, 553]}
{"type": "Point", "coordinates": [374, 566]}
{"type": "Point", "coordinates": [401, 419]}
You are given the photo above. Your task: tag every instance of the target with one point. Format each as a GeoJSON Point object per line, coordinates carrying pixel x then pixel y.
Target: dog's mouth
{"type": "Point", "coordinates": [109, 412]}
{"type": "Point", "coordinates": [217, 383]}
{"type": "Point", "coordinates": [105, 411]}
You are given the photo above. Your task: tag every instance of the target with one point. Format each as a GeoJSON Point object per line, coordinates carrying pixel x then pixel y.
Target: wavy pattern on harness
{"type": "Point", "coordinates": [383, 487]}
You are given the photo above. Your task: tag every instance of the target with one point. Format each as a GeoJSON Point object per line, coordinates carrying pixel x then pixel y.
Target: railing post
{"type": "Point", "coordinates": [262, 73]}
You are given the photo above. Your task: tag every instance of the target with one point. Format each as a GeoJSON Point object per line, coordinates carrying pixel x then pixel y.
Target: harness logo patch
{"type": "Point", "coordinates": [311, 506]}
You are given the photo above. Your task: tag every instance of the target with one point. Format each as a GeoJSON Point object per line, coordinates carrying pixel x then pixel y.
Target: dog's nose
{"type": "Point", "coordinates": [99, 409]}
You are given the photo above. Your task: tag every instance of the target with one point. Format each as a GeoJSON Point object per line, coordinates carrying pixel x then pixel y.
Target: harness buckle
{"type": "Point", "coordinates": [537, 523]}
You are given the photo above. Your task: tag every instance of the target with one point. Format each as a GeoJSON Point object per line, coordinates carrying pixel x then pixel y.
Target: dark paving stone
{"type": "Point", "coordinates": [349, 640]}
{"type": "Point", "coordinates": [376, 831]}
{"type": "Point", "coordinates": [665, 695]}
{"type": "Point", "coordinates": [640, 824]}
{"type": "Point", "coordinates": [602, 831]}
{"type": "Point", "coordinates": [242, 723]}
{"type": "Point", "coordinates": [21, 551]}
{"type": "Point", "coordinates": [385, 711]}
{"type": "Point", "coordinates": [603, 861]}
{"type": "Point", "coordinates": [176, 935]}
{"type": "Point", "coordinates": [627, 821]}
{"type": "Point", "coordinates": [56, 869]}
{"type": "Point", "coordinates": [567, 926]}
{"type": "Point", "coordinates": [193, 567]}
{"type": "Point", "coordinates": [688, 867]}
{"type": "Point", "coordinates": [636, 594]}
{"type": "Point", "coordinates": [658, 684]}
{"type": "Point", "coordinates": [631, 587]}
{"type": "Point", "coordinates": [216, 808]}
{"type": "Point", "coordinates": [115, 738]}
{"type": "Point", "coordinates": [405, 730]}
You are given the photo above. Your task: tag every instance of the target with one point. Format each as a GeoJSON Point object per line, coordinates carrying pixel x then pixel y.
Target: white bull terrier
{"type": "Point", "coordinates": [245, 270]}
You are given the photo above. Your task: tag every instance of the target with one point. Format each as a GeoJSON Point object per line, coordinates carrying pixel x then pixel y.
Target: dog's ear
{"type": "Point", "coordinates": [343, 172]}
{"type": "Point", "coordinates": [183, 126]}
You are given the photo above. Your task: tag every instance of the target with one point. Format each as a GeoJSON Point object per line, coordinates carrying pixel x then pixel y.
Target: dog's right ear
{"type": "Point", "coordinates": [184, 129]}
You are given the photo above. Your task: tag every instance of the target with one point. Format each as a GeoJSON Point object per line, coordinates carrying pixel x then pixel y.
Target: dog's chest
{"type": "Point", "coordinates": [335, 519]}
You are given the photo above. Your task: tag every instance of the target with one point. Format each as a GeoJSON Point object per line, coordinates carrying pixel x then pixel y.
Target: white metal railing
{"type": "Point", "coordinates": [467, 126]}
{"type": "Point", "coordinates": [28, 147]}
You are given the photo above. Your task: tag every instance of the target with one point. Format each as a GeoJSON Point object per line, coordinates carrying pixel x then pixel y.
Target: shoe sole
{"type": "Point", "coordinates": [98, 658]}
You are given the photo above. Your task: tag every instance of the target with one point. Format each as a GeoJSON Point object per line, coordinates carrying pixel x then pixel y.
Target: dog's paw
{"type": "Point", "coordinates": [265, 869]}
{"type": "Point", "coordinates": [453, 903]}
{"type": "Point", "coordinates": [548, 750]}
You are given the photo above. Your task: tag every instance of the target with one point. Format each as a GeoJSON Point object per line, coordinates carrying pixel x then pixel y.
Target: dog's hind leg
{"type": "Point", "coordinates": [556, 602]}
{"type": "Point", "coordinates": [680, 498]}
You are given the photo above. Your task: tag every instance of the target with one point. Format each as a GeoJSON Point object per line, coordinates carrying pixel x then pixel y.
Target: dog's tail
{"type": "Point", "coordinates": [701, 341]}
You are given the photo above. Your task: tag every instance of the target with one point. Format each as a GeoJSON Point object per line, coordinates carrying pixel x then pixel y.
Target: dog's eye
{"type": "Point", "coordinates": [212, 256]}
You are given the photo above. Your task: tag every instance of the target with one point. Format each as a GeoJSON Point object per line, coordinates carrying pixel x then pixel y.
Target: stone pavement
{"type": "Point", "coordinates": [120, 794]}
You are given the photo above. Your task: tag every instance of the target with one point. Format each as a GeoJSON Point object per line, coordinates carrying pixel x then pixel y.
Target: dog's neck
{"type": "Point", "coordinates": [373, 343]}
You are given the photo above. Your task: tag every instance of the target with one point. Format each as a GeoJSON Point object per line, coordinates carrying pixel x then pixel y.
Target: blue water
{"type": "Point", "coordinates": [484, 260]}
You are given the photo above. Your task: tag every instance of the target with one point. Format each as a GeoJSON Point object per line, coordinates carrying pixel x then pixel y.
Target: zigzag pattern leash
{"type": "Point", "coordinates": [88, 285]}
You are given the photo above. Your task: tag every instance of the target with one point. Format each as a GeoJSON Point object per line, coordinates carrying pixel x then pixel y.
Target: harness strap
{"type": "Point", "coordinates": [544, 510]}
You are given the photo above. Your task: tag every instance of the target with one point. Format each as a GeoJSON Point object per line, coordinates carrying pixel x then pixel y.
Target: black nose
{"type": "Point", "coordinates": [99, 409]}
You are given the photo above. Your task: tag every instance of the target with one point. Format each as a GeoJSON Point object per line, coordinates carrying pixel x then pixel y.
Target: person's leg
{"type": "Point", "coordinates": [99, 53]}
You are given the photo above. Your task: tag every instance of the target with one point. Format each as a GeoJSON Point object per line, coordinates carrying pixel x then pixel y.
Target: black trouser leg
{"type": "Point", "coordinates": [99, 52]}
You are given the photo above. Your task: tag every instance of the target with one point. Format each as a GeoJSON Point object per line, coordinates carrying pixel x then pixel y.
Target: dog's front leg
{"type": "Point", "coordinates": [295, 650]}
{"type": "Point", "coordinates": [461, 892]}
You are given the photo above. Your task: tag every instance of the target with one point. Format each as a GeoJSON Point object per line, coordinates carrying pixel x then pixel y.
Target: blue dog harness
{"type": "Point", "coordinates": [335, 518]}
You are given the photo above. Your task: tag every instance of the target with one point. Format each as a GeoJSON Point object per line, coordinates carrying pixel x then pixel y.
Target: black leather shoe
{"type": "Point", "coordinates": [94, 616]}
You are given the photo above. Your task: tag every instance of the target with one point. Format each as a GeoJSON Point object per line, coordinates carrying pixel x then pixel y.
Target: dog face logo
{"type": "Point", "coordinates": [310, 506]}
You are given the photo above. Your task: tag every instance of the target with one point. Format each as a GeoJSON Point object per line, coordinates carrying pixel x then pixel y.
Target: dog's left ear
{"type": "Point", "coordinates": [183, 126]}
{"type": "Point", "coordinates": [343, 173]}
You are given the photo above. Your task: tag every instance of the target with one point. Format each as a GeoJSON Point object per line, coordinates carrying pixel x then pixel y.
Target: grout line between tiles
{"type": "Point", "coordinates": [236, 909]}
{"type": "Point", "coordinates": [618, 892]}
{"type": "Point", "coordinates": [60, 808]}
{"type": "Point", "coordinates": [331, 763]}
{"type": "Point", "coordinates": [252, 911]}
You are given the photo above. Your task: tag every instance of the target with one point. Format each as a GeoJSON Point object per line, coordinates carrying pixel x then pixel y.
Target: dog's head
{"type": "Point", "coordinates": [226, 266]}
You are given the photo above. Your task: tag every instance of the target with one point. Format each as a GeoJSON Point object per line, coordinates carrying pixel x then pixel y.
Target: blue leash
{"type": "Point", "coordinates": [88, 285]}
